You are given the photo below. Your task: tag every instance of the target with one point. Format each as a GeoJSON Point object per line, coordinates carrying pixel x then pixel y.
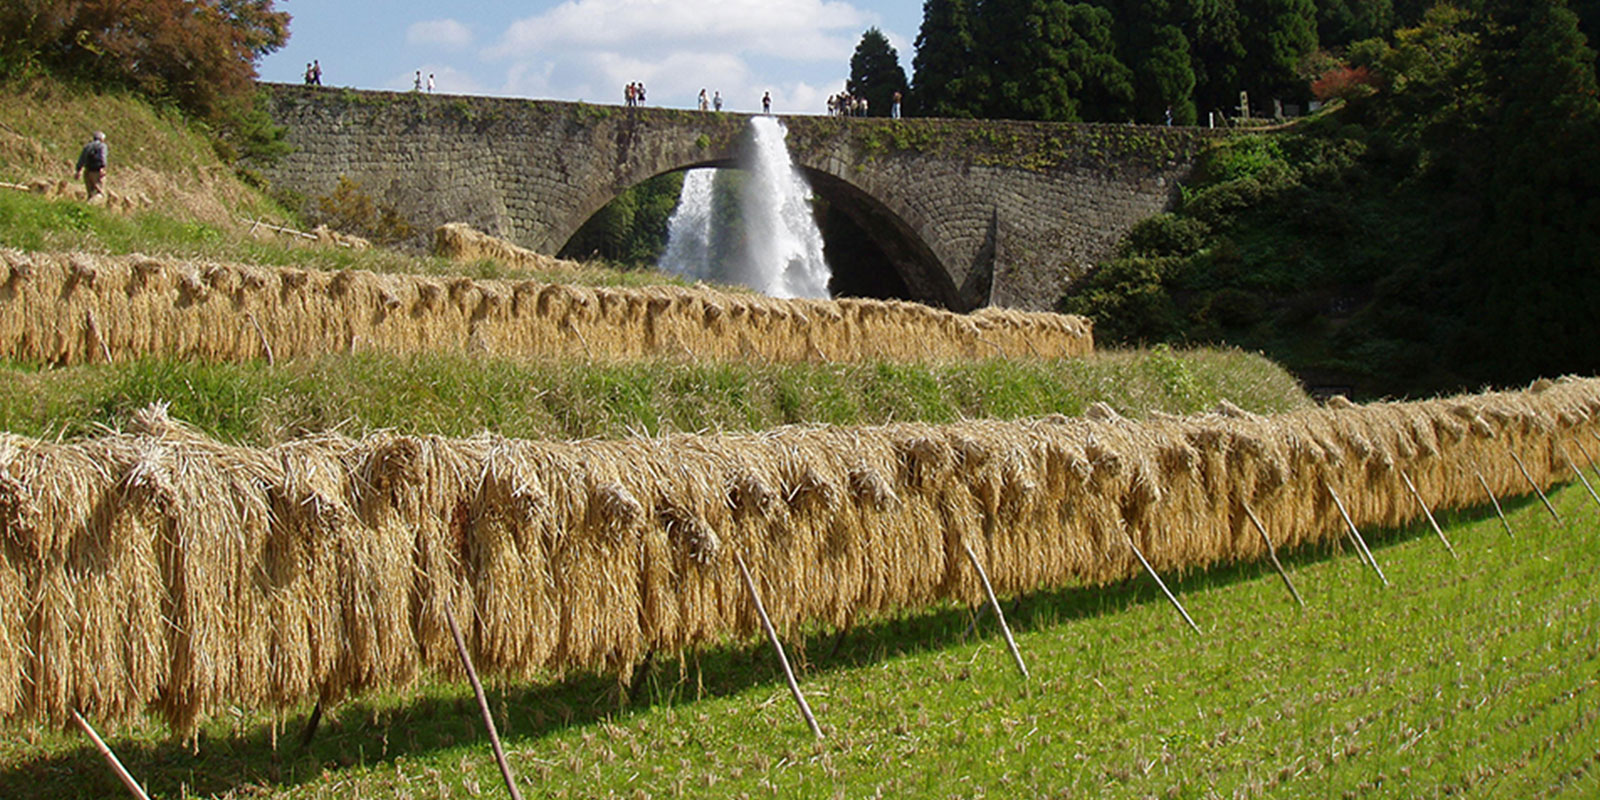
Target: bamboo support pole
{"type": "Point", "coordinates": [1272, 552]}
{"type": "Point", "coordinates": [1536, 489]}
{"type": "Point", "coordinates": [1350, 525]}
{"type": "Point", "coordinates": [111, 758]}
{"type": "Point", "coordinates": [265, 345]}
{"type": "Point", "coordinates": [1579, 442]}
{"type": "Point", "coordinates": [1579, 473]}
{"type": "Point", "coordinates": [94, 328]}
{"type": "Point", "coordinates": [483, 702]}
{"type": "Point", "coordinates": [1159, 582]}
{"type": "Point", "coordinates": [994, 603]}
{"type": "Point", "coordinates": [1416, 495]}
{"type": "Point", "coordinates": [772, 636]}
{"type": "Point", "coordinates": [1496, 501]}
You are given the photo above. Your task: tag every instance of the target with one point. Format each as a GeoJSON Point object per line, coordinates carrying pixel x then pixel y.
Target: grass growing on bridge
{"type": "Point", "coordinates": [1473, 678]}
{"type": "Point", "coordinates": [255, 404]}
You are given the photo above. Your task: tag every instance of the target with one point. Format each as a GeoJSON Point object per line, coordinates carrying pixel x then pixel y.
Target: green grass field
{"type": "Point", "coordinates": [258, 405]}
{"type": "Point", "coordinates": [1473, 678]}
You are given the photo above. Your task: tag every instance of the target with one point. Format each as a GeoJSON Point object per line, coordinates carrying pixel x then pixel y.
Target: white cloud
{"type": "Point", "coordinates": [590, 49]}
{"type": "Point", "coordinates": [446, 33]}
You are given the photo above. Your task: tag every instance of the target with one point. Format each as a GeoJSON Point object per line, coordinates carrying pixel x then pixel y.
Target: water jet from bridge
{"type": "Point", "coordinates": [776, 251]}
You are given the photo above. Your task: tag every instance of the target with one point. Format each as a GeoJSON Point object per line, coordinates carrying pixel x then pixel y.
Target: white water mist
{"type": "Point", "coordinates": [781, 248]}
{"type": "Point", "coordinates": [689, 228]}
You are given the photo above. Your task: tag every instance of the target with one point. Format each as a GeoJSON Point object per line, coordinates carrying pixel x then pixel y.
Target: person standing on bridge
{"type": "Point", "coordinates": [894, 107]}
{"type": "Point", "coordinates": [416, 83]}
{"type": "Point", "coordinates": [92, 165]}
{"type": "Point", "coordinates": [766, 102]}
{"type": "Point", "coordinates": [705, 103]}
{"type": "Point", "coordinates": [316, 72]}
{"type": "Point", "coordinates": [716, 100]}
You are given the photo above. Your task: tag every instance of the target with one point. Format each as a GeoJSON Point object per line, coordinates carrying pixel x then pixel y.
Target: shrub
{"type": "Point", "coordinates": [1166, 235]}
{"type": "Point", "coordinates": [350, 209]}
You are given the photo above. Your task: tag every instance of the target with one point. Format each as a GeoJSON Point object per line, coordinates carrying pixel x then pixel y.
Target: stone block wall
{"type": "Point", "coordinates": [970, 213]}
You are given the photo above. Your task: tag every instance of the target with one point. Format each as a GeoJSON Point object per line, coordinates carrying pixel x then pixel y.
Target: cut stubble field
{"type": "Point", "coordinates": [1475, 677]}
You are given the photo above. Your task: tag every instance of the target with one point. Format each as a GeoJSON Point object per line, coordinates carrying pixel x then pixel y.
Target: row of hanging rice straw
{"type": "Point", "coordinates": [82, 308]}
{"type": "Point", "coordinates": [157, 570]}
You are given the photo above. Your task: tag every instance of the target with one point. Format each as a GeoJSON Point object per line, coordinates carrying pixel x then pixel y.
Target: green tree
{"type": "Point", "coordinates": [1050, 60]}
{"type": "Point", "coordinates": [1340, 22]}
{"type": "Point", "coordinates": [1534, 274]}
{"type": "Point", "coordinates": [631, 230]}
{"type": "Point", "coordinates": [1216, 51]}
{"type": "Point", "coordinates": [944, 60]}
{"type": "Point", "coordinates": [875, 73]}
{"type": "Point", "coordinates": [1276, 36]}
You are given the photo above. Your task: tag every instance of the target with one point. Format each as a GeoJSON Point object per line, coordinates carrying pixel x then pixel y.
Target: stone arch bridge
{"type": "Point", "coordinates": [968, 213]}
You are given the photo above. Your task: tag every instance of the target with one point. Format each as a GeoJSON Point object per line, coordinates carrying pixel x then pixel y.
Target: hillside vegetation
{"type": "Point", "coordinates": [1439, 230]}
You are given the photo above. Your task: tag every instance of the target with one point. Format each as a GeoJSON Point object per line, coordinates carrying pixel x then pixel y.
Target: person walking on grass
{"type": "Point", "coordinates": [92, 165]}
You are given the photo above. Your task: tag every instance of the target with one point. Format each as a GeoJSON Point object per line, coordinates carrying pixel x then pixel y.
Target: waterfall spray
{"type": "Point", "coordinates": [689, 229]}
{"type": "Point", "coordinates": [781, 254]}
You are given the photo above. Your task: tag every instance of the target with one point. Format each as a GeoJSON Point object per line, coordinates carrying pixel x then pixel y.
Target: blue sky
{"type": "Point", "coordinates": [589, 49]}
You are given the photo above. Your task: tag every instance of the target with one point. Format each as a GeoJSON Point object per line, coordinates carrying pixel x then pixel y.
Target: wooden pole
{"type": "Point", "coordinates": [1579, 473]}
{"type": "Point", "coordinates": [1350, 525]}
{"type": "Point", "coordinates": [1536, 489]}
{"type": "Point", "coordinates": [483, 702]}
{"type": "Point", "coordinates": [1159, 582]}
{"type": "Point", "coordinates": [311, 725]}
{"type": "Point", "coordinates": [1272, 552]}
{"type": "Point", "coordinates": [111, 758]}
{"type": "Point", "coordinates": [772, 636]}
{"type": "Point", "coordinates": [994, 603]}
{"type": "Point", "coordinates": [1431, 521]}
{"type": "Point", "coordinates": [1496, 502]}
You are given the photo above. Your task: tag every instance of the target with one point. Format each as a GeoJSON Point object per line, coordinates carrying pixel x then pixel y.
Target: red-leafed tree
{"type": "Point", "coordinates": [1345, 83]}
{"type": "Point", "coordinates": [199, 53]}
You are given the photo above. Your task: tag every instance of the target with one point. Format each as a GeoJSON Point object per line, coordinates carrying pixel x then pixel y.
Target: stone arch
{"type": "Point", "coordinates": [885, 221]}
{"type": "Point", "coordinates": [592, 201]}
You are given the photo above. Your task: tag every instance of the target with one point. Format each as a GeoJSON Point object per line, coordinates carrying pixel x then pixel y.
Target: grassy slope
{"type": "Point", "coordinates": [459, 396]}
{"type": "Point", "coordinates": [198, 207]}
{"type": "Point", "coordinates": [1475, 677]}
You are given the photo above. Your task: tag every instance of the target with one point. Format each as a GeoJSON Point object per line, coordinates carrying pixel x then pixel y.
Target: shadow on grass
{"type": "Point", "coordinates": [372, 731]}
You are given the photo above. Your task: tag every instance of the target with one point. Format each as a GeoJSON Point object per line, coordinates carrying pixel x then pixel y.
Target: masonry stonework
{"type": "Point", "coordinates": [969, 213]}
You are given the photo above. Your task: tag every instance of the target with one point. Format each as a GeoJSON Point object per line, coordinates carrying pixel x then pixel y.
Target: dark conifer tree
{"type": "Point", "coordinates": [875, 73]}
{"type": "Point", "coordinates": [1276, 36]}
{"type": "Point", "coordinates": [944, 60]}
{"type": "Point", "coordinates": [1534, 274]}
{"type": "Point", "coordinates": [1340, 22]}
{"type": "Point", "coordinates": [1216, 52]}
{"type": "Point", "coordinates": [1051, 60]}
